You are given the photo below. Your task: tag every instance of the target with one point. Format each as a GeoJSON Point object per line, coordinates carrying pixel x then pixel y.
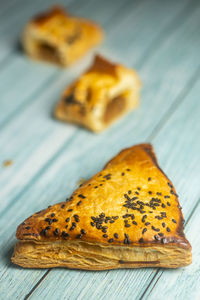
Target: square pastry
{"type": "Point", "coordinates": [105, 92]}
{"type": "Point", "coordinates": [60, 38]}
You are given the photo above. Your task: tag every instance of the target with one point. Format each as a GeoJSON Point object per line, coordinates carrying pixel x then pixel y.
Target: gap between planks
{"type": "Point", "coordinates": [172, 108]}
{"type": "Point", "coordinates": [188, 219]}
{"type": "Point", "coordinates": [45, 167]}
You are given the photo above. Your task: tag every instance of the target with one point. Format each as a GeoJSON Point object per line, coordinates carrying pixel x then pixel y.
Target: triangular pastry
{"type": "Point", "coordinates": [126, 216]}
{"type": "Point", "coordinates": [102, 94]}
{"type": "Point", "coordinates": [57, 37]}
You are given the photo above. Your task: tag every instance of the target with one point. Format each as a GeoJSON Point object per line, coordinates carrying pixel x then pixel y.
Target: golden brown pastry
{"type": "Point", "coordinates": [60, 38]}
{"type": "Point", "coordinates": [126, 216]}
{"type": "Point", "coordinates": [101, 95]}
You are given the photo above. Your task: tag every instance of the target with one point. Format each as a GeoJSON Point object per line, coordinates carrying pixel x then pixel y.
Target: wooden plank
{"type": "Point", "coordinates": [102, 13]}
{"type": "Point", "coordinates": [184, 172]}
{"type": "Point", "coordinates": [184, 158]}
{"type": "Point", "coordinates": [50, 128]}
{"type": "Point", "coordinates": [184, 283]}
{"type": "Point", "coordinates": [47, 128]}
{"type": "Point", "coordinates": [42, 190]}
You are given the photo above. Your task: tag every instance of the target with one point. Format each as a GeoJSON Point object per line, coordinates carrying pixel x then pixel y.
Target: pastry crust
{"type": "Point", "coordinates": [60, 38]}
{"type": "Point", "coordinates": [105, 92]}
{"type": "Point", "coordinates": [126, 216]}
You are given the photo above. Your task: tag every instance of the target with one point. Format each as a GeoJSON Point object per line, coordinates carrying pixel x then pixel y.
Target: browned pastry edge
{"type": "Point", "coordinates": [102, 65]}
{"type": "Point", "coordinates": [148, 148]}
{"type": "Point", "coordinates": [174, 241]}
{"type": "Point", "coordinates": [45, 16]}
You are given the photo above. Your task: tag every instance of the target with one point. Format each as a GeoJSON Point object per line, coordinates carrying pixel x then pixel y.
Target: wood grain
{"type": "Point", "coordinates": [160, 39]}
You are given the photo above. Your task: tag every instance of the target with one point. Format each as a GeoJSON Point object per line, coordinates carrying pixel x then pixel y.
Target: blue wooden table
{"type": "Point", "coordinates": [161, 39]}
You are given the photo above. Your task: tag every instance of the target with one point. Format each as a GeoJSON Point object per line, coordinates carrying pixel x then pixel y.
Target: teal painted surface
{"type": "Point", "coordinates": [161, 40]}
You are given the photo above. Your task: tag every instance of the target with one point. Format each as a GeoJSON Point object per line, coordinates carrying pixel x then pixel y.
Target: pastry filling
{"type": "Point", "coordinates": [114, 108]}
{"type": "Point", "coordinates": [48, 53]}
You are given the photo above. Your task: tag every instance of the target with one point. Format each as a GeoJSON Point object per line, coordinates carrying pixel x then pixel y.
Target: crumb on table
{"type": "Point", "coordinates": [7, 163]}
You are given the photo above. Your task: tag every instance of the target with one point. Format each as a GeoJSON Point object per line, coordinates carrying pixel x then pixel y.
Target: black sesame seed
{"type": "Point", "coordinates": [79, 236]}
{"type": "Point", "coordinates": [73, 226]}
{"type": "Point", "coordinates": [67, 220]}
{"type": "Point", "coordinates": [126, 240]}
{"type": "Point", "coordinates": [116, 235]}
{"type": "Point", "coordinates": [70, 209]}
{"type": "Point", "coordinates": [137, 193]}
{"type": "Point", "coordinates": [79, 203]}
{"type": "Point", "coordinates": [56, 231]}
{"type": "Point", "coordinates": [47, 220]}
{"type": "Point", "coordinates": [155, 229]}
{"type": "Point", "coordinates": [150, 192]}
{"type": "Point", "coordinates": [163, 205]}
{"type": "Point", "coordinates": [166, 196]}
{"type": "Point", "coordinates": [102, 215]}
{"type": "Point", "coordinates": [128, 170]}
{"type": "Point", "coordinates": [27, 227]}
{"type": "Point", "coordinates": [127, 225]}
{"type": "Point", "coordinates": [141, 240]}
{"type": "Point", "coordinates": [173, 220]}
{"type": "Point", "coordinates": [63, 205]}
{"type": "Point", "coordinates": [112, 221]}
{"type": "Point", "coordinates": [104, 230]}
{"type": "Point", "coordinates": [81, 196]}
{"type": "Point", "coordinates": [149, 178]}
{"type": "Point", "coordinates": [52, 215]}
{"type": "Point", "coordinates": [134, 222]}
{"type": "Point", "coordinates": [48, 227]}
{"type": "Point", "coordinates": [83, 231]}
{"type": "Point", "coordinates": [160, 234]}
{"type": "Point", "coordinates": [123, 174]}
{"type": "Point", "coordinates": [110, 240]}
{"type": "Point", "coordinates": [168, 204]}
{"type": "Point", "coordinates": [170, 185]}
{"type": "Point", "coordinates": [129, 192]}
{"type": "Point", "coordinates": [163, 240]}
{"type": "Point", "coordinates": [54, 220]}
{"type": "Point", "coordinates": [105, 236]}
{"type": "Point", "coordinates": [168, 229]}
{"type": "Point", "coordinates": [156, 237]}
{"type": "Point", "coordinates": [144, 230]}
{"type": "Point", "coordinates": [163, 224]}
{"type": "Point", "coordinates": [65, 234]}
{"type": "Point", "coordinates": [147, 223]}
{"type": "Point", "coordinates": [76, 218]}
{"type": "Point", "coordinates": [143, 218]}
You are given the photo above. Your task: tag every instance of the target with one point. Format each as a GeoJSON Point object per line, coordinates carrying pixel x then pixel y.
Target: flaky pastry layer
{"type": "Point", "coordinates": [96, 256]}
{"type": "Point", "coordinates": [127, 215]}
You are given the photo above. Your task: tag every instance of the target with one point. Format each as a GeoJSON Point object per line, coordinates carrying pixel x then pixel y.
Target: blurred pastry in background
{"type": "Point", "coordinates": [101, 95]}
{"type": "Point", "coordinates": [60, 38]}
